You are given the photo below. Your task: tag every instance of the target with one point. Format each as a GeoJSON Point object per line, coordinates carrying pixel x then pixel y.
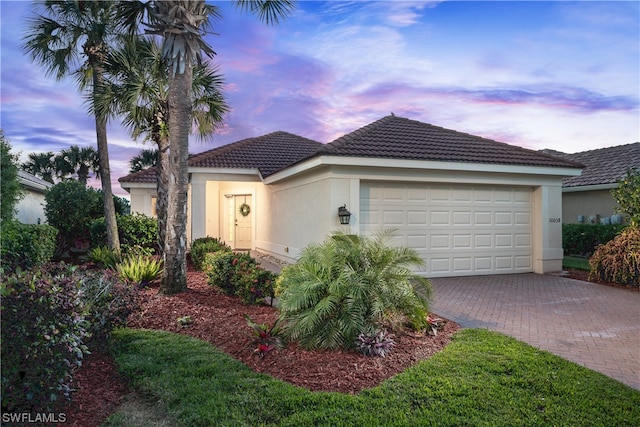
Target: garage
{"type": "Point", "coordinates": [457, 229]}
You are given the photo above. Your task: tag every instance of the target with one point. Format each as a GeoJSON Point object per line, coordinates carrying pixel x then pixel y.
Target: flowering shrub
{"type": "Point", "coordinates": [374, 343]}
{"type": "Point", "coordinates": [267, 337]}
{"type": "Point", "coordinates": [43, 330]}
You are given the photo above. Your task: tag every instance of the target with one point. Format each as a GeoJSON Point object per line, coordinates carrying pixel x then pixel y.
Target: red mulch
{"type": "Point", "coordinates": [219, 319]}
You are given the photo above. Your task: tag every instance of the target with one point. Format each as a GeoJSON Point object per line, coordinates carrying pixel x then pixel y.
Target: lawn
{"type": "Point", "coordinates": [481, 379]}
{"type": "Point", "coordinates": [576, 263]}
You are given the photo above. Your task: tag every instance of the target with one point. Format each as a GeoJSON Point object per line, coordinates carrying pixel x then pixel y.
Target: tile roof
{"type": "Point", "coordinates": [401, 138]}
{"type": "Point", "coordinates": [603, 165]}
{"type": "Point", "coordinates": [268, 153]}
{"type": "Point", "coordinates": [390, 137]}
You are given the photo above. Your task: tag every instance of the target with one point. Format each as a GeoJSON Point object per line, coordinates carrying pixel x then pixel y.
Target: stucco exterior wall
{"type": "Point", "coordinates": [587, 204]}
{"type": "Point", "coordinates": [30, 209]}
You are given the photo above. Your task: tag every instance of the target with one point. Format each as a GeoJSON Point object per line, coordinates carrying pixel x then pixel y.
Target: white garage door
{"type": "Point", "coordinates": [458, 230]}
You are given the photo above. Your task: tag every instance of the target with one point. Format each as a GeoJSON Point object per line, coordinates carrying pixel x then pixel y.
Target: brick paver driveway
{"type": "Point", "coordinates": [593, 325]}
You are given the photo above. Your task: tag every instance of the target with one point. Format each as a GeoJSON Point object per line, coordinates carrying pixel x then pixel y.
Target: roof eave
{"type": "Point", "coordinates": [329, 160]}
{"type": "Point", "coordinates": [595, 187]}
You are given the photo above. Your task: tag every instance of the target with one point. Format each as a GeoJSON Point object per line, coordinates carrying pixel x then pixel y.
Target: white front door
{"type": "Point", "coordinates": [243, 219]}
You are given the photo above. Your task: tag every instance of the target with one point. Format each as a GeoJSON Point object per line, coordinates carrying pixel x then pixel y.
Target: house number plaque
{"type": "Point", "coordinates": [555, 220]}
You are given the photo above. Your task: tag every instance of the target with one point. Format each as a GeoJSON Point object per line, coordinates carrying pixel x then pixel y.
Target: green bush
{"type": "Point", "coordinates": [140, 269]}
{"type": "Point", "coordinates": [347, 286]}
{"type": "Point", "coordinates": [205, 245]}
{"type": "Point", "coordinates": [26, 245]}
{"type": "Point", "coordinates": [239, 274]}
{"type": "Point", "coordinates": [618, 261]}
{"type": "Point", "coordinates": [137, 232]}
{"type": "Point", "coordinates": [10, 189]}
{"type": "Point", "coordinates": [42, 337]}
{"type": "Point", "coordinates": [582, 239]}
{"type": "Point", "coordinates": [108, 301]}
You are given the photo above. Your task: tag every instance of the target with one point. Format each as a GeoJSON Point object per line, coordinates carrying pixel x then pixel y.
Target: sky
{"type": "Point", "coordinates": [563, 75]}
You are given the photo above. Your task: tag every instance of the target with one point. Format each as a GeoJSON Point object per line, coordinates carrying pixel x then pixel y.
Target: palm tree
{"type": "Point", "coordinates": [41, 165]}
{"type": "Point", "coordinates": [78, 161]}
{"type": "Point", "coordinates": [144, 160]}
{"type": "Point", "coordinates": [182, 25]}
{"type": "Point", "coordinates": [137, 89]}
{"type": "Point", "coordinates": [73, 37]}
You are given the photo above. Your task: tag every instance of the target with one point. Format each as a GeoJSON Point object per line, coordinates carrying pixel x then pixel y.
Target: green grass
{"type": "Point", "coordinates": [577, 263]}
{"type": "Point", "coordinates": [481, 379]}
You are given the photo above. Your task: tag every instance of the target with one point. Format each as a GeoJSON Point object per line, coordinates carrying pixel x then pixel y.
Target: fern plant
{"type": "Point", "coordinates": [349, 285]}
{"type": "Point", "coordinates": [140, 269]}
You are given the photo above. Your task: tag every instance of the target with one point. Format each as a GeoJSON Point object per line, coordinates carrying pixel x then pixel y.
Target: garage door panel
{"type": "Point", "coordinates": [457, 230]}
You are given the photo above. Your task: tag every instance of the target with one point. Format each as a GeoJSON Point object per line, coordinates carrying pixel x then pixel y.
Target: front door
{"type": "Point", "coordinates": [243, 221]}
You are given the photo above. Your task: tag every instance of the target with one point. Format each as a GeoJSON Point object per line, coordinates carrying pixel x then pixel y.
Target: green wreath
{"type": "Point", "coordinates": [245, 209]}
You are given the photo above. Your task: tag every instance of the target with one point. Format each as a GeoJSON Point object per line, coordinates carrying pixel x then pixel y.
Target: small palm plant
{"type": "Point", "coordinates": [349, 285]}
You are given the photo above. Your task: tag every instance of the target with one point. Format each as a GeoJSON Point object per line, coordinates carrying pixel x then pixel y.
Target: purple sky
{"type": "Point", "coordinates": [561, 75]}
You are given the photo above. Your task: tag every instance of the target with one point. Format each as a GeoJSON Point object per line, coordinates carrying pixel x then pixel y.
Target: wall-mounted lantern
{"type": "Point", "coordinates": [344, 215]}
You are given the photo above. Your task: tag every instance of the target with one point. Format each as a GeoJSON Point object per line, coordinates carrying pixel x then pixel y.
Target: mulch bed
{"type": "Point", "coordinates": [219, 319]}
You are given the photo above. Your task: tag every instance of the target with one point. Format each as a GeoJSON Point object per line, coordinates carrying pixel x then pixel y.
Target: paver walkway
{"type": "Point", "coordinates": [593, 325]}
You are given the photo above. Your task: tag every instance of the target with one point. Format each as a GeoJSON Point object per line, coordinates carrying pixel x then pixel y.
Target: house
{"type": "Point", "coordinates": [587, 198]}
{"type": "Point", "coordinates": [30, 209]}
{"type": "Point", "coordinates": [468, 205]}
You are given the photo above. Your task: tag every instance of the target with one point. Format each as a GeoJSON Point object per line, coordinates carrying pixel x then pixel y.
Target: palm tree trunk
{"type": "Point", "coordinates": [162, 187]}
{"type": "Point", "coordinates": [174, 279]}
{"type": "Point", "coordinates": [113, 241]}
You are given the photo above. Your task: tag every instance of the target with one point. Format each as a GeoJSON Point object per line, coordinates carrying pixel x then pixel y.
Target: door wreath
{"type": "Point", "coordinates": [245, 209]}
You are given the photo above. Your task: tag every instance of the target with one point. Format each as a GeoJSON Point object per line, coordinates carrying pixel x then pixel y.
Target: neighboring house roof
{"type": "Point", "coordinates": [32, 182]}
{"type": "Point", "coordinates": [390, 137]}
{"type": "Point", "coordinates": [603, 165]}
{"type": "Point", "coordinates": [268, 154]}
{"type": "Point", "coordinates": [400, 138]}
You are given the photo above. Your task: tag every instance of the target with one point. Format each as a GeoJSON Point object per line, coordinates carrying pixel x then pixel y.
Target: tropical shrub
{"type": "Point", "coordinates": [108, 302]}
{"type": "Point", "coordinates": [137, 232]}
{"type": "Point", "coordinates": [140, 269]}
{"type": "Point", "coordinates": [374, 343]}
{"type": "Point", "coordinates": [26, 245]}
{"type": "Point", "coordinates": [582, 239]}
{"type": "Point", "coordinates": [239, 274]}
{"type": "Point", "coordinates": [205, 245]}
{"type": "Point", "coordinates": [253, 283]}
{"type": "Point", "coordinates": [618, 261]}
{"type": "Point", "coordinates": [43, 330]}
{"type": "Point", "coordinates": [104, 257]}
{"type": "Point", "coordinates": [266, 338]}
{"type": "Point", "coordinates": [347, 286]}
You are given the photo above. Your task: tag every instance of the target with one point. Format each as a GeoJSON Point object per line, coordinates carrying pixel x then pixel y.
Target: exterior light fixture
{"type": "Point", "coordinates": [344, 215]}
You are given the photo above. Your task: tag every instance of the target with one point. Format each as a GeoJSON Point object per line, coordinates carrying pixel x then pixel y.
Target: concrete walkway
{"type": "Point", "coordinates": [593, 325]}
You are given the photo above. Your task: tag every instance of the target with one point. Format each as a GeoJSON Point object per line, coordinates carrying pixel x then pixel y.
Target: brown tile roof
{"type": "Point", "coordinates": [390, 137]}
{"type": "Point", "coordinates": [603, 165]}
{"type": "Point", "coordinates": [400, 138]}
{"type": "Point", "coordinates": [268, 153]}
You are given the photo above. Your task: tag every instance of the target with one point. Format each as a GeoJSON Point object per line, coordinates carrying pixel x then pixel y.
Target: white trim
{"type": "Point", "coordinates": [129, 185]}
{"type": "Point", "coordinates": [318, 161]}
{"type": "Point", "coordinates": [224, 171]}
{"type": "Point", "coordinates": [589, 188]}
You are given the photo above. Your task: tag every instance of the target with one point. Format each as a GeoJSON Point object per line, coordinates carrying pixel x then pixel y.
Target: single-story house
{"type": "Point", "coordinates": [30, 209]}
{"type": "Point", "coordinates": [587, 198]}
{"type": "Point", "coordinates": [467, 204]}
